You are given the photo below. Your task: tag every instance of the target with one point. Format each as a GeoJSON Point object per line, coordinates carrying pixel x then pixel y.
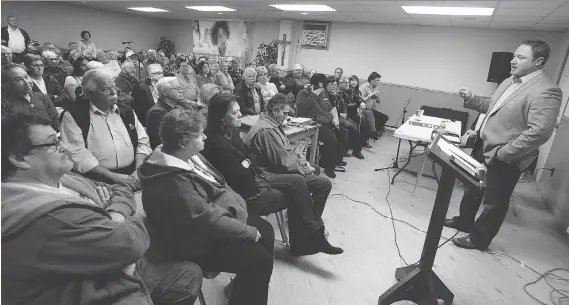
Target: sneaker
{"type": "Point", "coordinates": [366, 145]}
{"type": "Point", "coordinates": [358, 155]}
{"type": "Point", "coordinates": [342, 163]}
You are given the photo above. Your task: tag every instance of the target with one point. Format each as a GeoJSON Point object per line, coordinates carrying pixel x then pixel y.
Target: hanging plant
{"type": "Point", "coordinates": [167, 46]}
{"type": "Point", "coordinates": [267, 53]}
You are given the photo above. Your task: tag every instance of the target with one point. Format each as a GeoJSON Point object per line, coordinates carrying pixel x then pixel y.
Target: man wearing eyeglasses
{"type": "Point", "coordinates": [170, 96]}
{"type": "Point", "coordinates": [145, 94]}
{"type": "Point", "coordinates": [106, 140]}
{"type": "Point", "coordinates": [52, 67]}
{"type": "Point", "coordinates": [69, 240]}
{"type": "Point", "coordinates": [18, 96]}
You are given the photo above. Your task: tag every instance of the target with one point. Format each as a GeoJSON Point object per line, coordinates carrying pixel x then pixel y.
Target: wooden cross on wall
{"type": "Point", "coordinates": [283, 43]}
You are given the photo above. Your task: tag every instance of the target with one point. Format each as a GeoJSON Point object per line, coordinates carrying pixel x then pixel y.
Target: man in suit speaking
{"type": "Point", "coordinates": [520, 117]}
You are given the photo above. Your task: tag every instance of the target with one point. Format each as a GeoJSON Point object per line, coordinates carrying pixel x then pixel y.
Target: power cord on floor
{"type": "Point", "coordinates": [548, 276]}
{"type": "Point", "coordinates": [562, 297]}
{"type": "Point", "coordinates": [393, 219]}
{"type": "Point", "coordinates": [535, 173]}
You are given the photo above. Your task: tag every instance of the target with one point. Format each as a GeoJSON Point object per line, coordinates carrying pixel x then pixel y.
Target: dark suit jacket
{"type": "Point", "coordinates": [143, 101]}
{"type": "Point", "coordinates": [6, 36]}
{"type": "Point", "coordinates": [54, 89]}
{"type": "Point", "coordinates": [524, 121]}
{"type": "Point", "coordinates": [246, 101]}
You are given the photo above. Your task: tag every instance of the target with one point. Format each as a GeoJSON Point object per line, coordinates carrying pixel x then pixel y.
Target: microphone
{"type": "Point", "coordinates": [128, 41]}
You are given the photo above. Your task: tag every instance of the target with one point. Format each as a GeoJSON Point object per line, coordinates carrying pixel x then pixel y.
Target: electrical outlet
{"type": "Point", "coordinates": [552, 171]}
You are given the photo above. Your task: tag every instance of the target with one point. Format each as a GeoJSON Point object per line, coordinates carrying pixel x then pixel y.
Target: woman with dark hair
{"type": "Point", "coordinates": [74, 80]}
{"type": "Point", "coordinates": [219, 36]}
{"type": "Point", "coordinates": [370, 95]}
{"type": "Point", "coordinates": [265, 193]}
{"type": "Point", "coordinates": [356, 97]}
{"type": "Point", "coordinates": [204, 74]}
{"type": "Point", "coordinates": [198, 217]}
{"type": "Point", "coordinates": [86, 43]}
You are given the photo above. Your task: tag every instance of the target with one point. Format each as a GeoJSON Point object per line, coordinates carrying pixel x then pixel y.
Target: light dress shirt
{"type": "Point", "coordinates": [17, 42]}
{"type": "Point", "coordinates": [108, 142]}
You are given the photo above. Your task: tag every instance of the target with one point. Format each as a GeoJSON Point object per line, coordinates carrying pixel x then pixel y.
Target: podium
{"type": "Point", "coordinates": [418, 283]}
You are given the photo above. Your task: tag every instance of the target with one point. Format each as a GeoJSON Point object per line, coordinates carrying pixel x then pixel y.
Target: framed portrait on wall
{"type": "Point", "coordinates": [315, 35]}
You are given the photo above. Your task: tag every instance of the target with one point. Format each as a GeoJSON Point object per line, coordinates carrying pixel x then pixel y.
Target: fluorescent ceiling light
{"type": "Point", "coordinates": [215, 8]}
{"type": "Point", "coordinates": [454, 11]}
{"type": "Point", "coordinates": [304, 7]}
{"type": "Point", "coordinates": [304, 13]}
{"type": "Point", "coordinates": [148, 9]}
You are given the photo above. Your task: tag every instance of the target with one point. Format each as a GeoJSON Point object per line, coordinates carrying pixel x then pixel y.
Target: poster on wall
{"type": "Point", "coordinates": [221, 38]}
{"type": "Point", "coordinates": [315, 35]}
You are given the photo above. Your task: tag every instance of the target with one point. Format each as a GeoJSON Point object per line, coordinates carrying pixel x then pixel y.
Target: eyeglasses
{"type": "Point", "coordinates": [37, 66]}
{"type": "Point", "coordinates": [110, 90]}
{"type": "Point", "coordinates": [157, 73]}
{"type": "Point", "coordinates": [56, 144]}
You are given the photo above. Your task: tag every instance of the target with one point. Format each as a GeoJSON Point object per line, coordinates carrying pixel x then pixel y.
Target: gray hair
{"type": "Point", "coordinates": [261, 70]}
{"type": "Point", "coordinates": [277, 102]}
{"type": "Point", "coordinates": [249, 70]}
{"type": "Point", "coordinates": [151, 51]}
{"type": "Point", "coordinates": [273, 67]}
{"type": "Point", "coordinates": [179, 126]}
{"type": "Point", "coordinates": [207, 91]}
{"type": "Point", "coordinates": [298, 66]}
{"type": "Point", "coordinates": [155, 65]}
{"type": "Point", "coordinates": [100, 52]}
{"type": "Point", "coordinates": [126, 65]}
{"type": "Point", "coordinates": [94, 65]}
{"type": "Point", "coordinates": [95, 79]}
{"type": "Point", "coordinates": [44, 54]}
{"type": "Point", "coordinates": [165, 83]}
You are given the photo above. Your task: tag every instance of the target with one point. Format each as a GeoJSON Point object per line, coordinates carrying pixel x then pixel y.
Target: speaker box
{"type": "Point", "coordinates": [499, 67]}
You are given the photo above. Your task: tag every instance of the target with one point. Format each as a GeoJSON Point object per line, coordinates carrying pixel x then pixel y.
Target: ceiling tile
{"type": "Point", "coordinates": [562, 11]}
{"type": "Point", "coordinates": [543, 11]}
{"type": "Point", "coordinates": [376, 3]}
{"type": "Point", "coordinates": [420, 3]}
{"type": "Point", "coordinates": [386, 11]}
{"type": "Point", "coordinates": [517, 4]}
{"type": "Point", "coordinates": [517, 18]}
{"type": "Point", "coordinates": [471, 3]}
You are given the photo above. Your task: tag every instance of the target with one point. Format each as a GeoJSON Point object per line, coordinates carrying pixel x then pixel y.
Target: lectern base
{"type": "Point", "coordinates": [420, 287]}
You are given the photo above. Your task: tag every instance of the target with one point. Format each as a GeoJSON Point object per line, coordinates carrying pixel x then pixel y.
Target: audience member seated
{"type": "Point", "coordinates": [52, 68]}
{"type": "Point", "coordinates": [264, 193]}
{"type": "Point", "coordinates": [223, 79]}
{"type": "Point", "coordinates": [41, 82]}
{"type": "Point", "coordinates": [151, 57]}
{"type": "Point", "coordinates": [204, 74]}
{"type": "Point", "coordinates": [125, 82]}
{"type": "Point", "coordinates": [15, 38]}
{"type": "Point", "coordinates": [276, 79]}
{"type": "Point", "coordinates": [92, 65]}
{"type": "Point", "coordinates": [145, 94]}
{"type": "Point", "coordinates": [6, 55]}
{"type": "Point", "coordinates": [170, 96]}
{"type": "Point", "coordinates": [235, 72]}
{"type": "Point", "coordinates": [74, 80]}
{"type": "Point", "coordinates": [311, 73]}
{"type": "Point", "coordinates": [65, 65]}
{"type": "Point", "coordinates": [188, 82]}
{"type": "Point", "coordinates": [355, 108]}
{"type": "Point", "coordinates": [68, 240]}
{"type": "Point", "coordinates": [33, 47]}
{"type": "Point", "coordinates": [272, 150]}
{"type": "Point", "coordinates": [370, 94]}
{"type": "Point", "coordinates": [85, 43]}
{"type": "Point", "coordinates": [207, 92]}
{"type": "Point", "coordinates": [110, 66]}
{"type": "Point", "coordinates": [366, 114]}
{"type": "Point", "coordinates": [71, 46]}
{"type": "Point", "coordinates": [105, 139]}
{"type": "Point", "coordinates": [268, 89]}
{"type": "Point", "coordinates": [316, 104]}
{"type": "Point", "coordinates": [198, 217]}
{"type": "Point", "coordinates": [252, 64]}
{"type": "Point", "coordinates": [17, 96]}
{"type": "Point", "coordinates": [250, 97]}
{"type": "Point", "coordinates": [88, 54]}
{"type": "Point", "coordinates": [357, 135]}
{"type": "Point", "coordinates": [296, 80]}
{"type": "Point", "coordinates": [338, 74]}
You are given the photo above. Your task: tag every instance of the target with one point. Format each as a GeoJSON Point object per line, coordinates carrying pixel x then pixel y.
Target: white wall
{"type": "Point", "coordinates": [181, 34]}
{"type": "Point", "coordinates": [440, 58]}
{"type": "Point", "coordinates": [61, 23]}
{"type": "Point", "coordinates": [263, 31]}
